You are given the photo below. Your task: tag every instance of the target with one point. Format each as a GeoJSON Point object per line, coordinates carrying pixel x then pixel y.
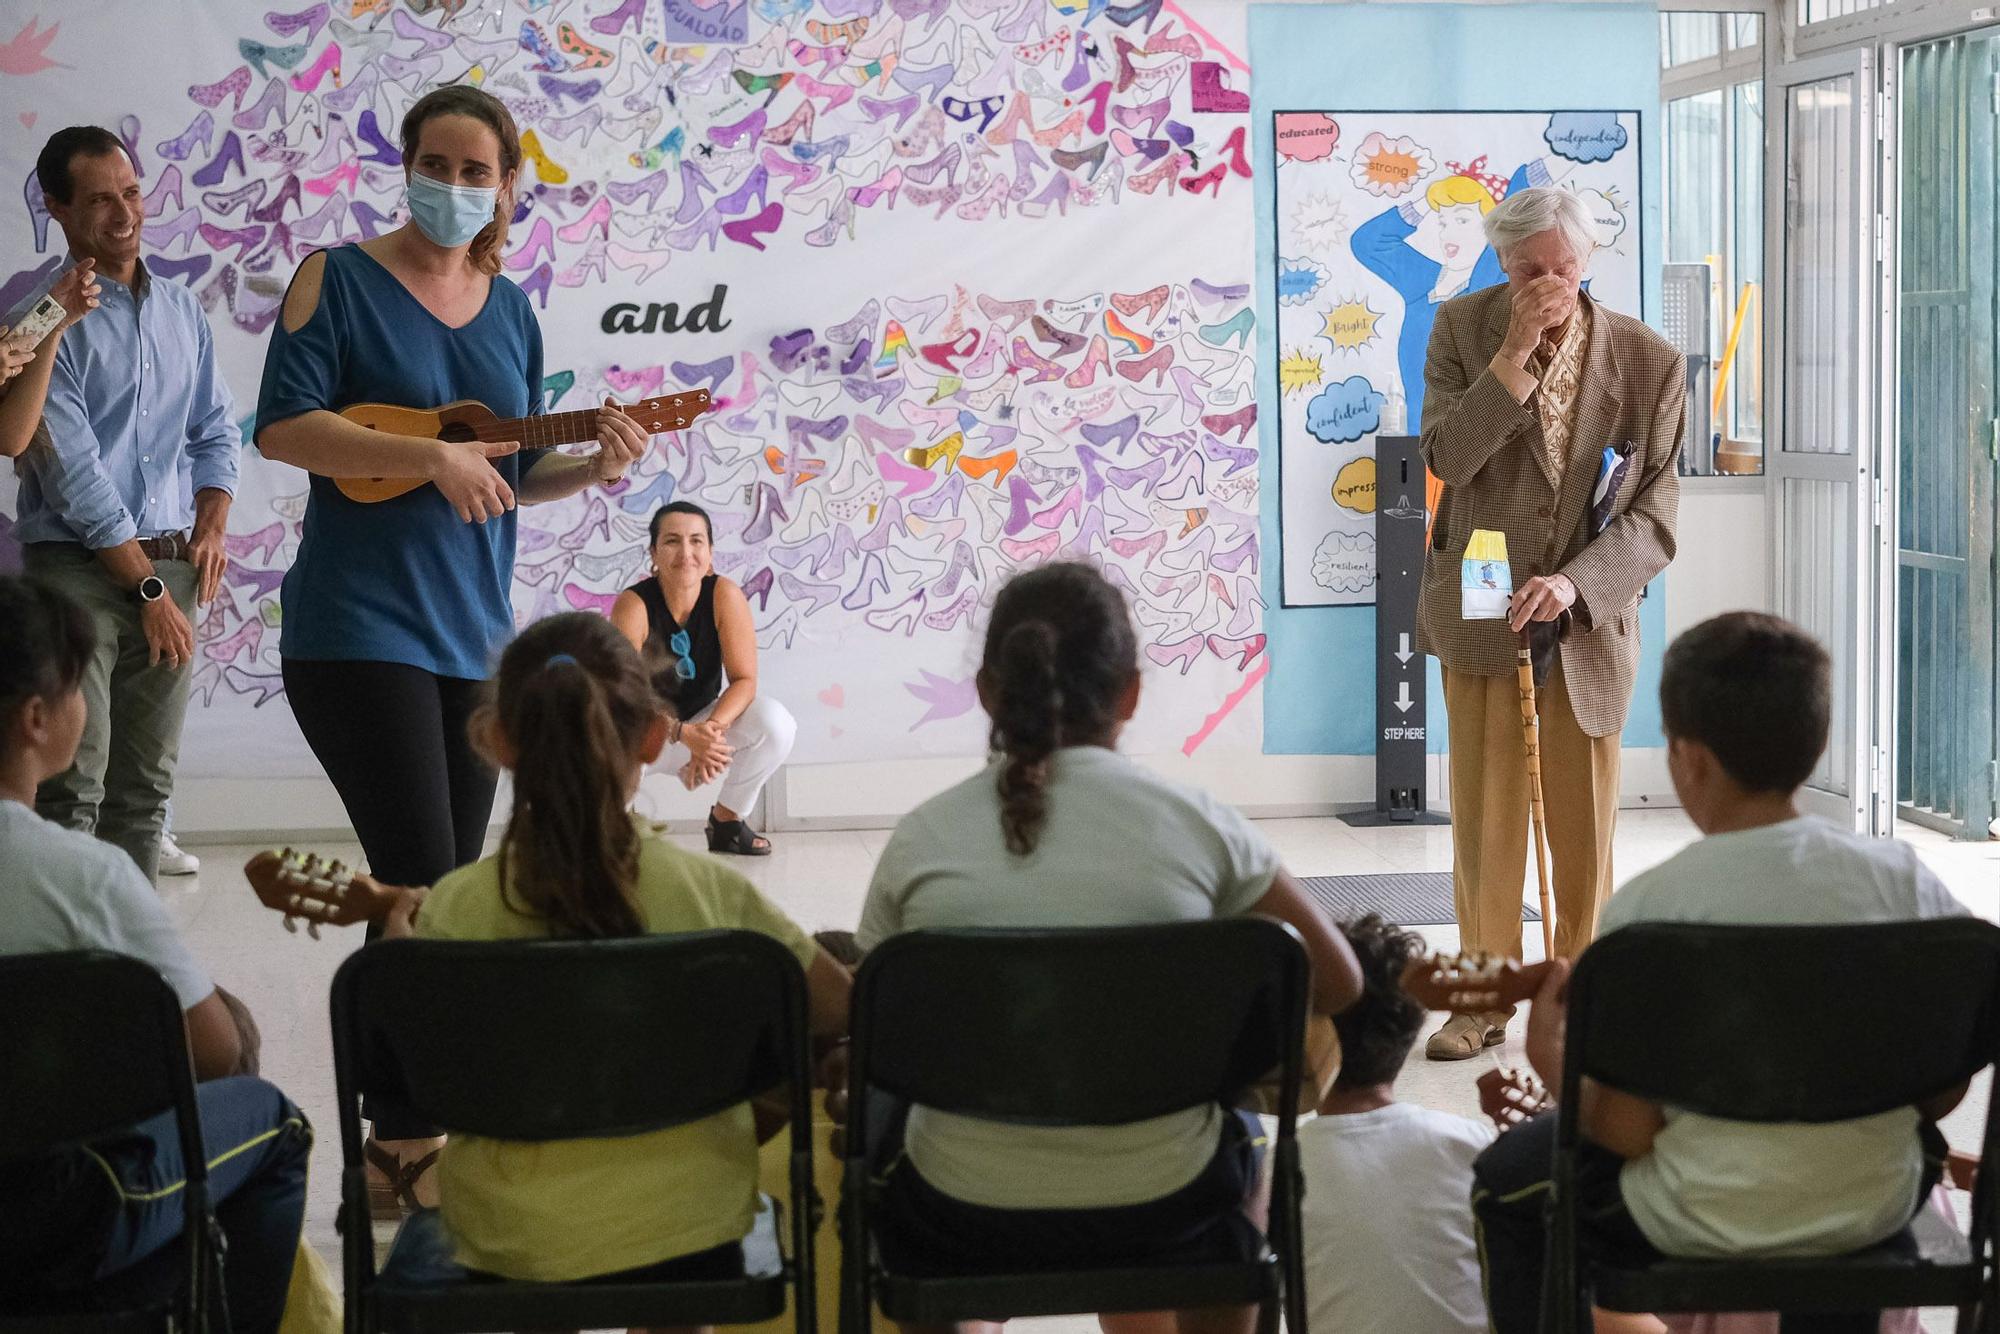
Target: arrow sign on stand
{"type": "Point", "coordinates": [1403, 654]}
{"type": "Point", "coordinates": [1403, 700]}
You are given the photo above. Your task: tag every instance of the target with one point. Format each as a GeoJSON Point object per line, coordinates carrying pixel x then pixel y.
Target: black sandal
{"type": "Point", "coordinates": [733, 836]}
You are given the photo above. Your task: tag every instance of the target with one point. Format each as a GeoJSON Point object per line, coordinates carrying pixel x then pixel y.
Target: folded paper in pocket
{"type": "Point", "coordinates": [1486, 585]}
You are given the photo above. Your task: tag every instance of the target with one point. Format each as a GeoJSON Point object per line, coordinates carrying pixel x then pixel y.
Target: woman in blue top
{"type": "Point", "coordinates": [395, 611]}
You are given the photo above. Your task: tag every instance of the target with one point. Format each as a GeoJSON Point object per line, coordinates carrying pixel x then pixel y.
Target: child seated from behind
{"type": "Point", "coordinates": [1388, 1219]}
{"type": "Point", "coordinates": [1745, 700]}
{"type": "Point", "coordinates": [91, 1219]}
{"type": "Point", "coordinates": [574, 718]}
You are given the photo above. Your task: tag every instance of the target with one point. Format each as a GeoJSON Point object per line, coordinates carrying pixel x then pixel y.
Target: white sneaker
{"type": "Point", "coordinates": [173, 861]}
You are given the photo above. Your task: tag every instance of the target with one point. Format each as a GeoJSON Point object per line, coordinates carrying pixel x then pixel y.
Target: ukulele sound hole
{"type": "Point", "coordinates": [457, 433]}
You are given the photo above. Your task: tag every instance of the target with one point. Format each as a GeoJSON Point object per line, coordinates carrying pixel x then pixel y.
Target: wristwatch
{"type": "Point", "coordinates": [151, 589]}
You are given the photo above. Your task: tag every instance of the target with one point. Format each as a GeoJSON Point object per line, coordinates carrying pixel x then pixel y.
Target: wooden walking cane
{"type": "Point", "coordinates": [1531, 730]}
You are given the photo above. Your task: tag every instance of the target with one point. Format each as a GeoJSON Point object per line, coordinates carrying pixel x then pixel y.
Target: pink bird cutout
{"type": "Point", "coordinates": [23, 55]}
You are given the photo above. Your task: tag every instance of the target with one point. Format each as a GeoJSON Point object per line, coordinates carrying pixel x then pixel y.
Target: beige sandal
{"type": "Point", "coordinates": [1465, 1035]}
{"type": "Point", "coordinates": [393, 1197]}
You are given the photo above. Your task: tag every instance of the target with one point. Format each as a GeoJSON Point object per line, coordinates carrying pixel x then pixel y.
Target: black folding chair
{"type": "Point", "coordinates": [549, 1040]}
{"type": "Point", "coordinates": [93, 1043]}
{"type": "Point", "coordinates": [1077, 1028]}
{"type": "Point", "coordinates": [1733, 1022]}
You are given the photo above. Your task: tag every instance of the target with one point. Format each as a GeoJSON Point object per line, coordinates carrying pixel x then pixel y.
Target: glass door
{"type": "Point", "coordinates": [1945, 281]}
{"type": "Point", "coordinates": [1825, 488]}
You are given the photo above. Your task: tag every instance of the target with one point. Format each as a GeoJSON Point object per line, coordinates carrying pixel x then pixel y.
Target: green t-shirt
{"type": "Point", "coordinates": [571, 1209]}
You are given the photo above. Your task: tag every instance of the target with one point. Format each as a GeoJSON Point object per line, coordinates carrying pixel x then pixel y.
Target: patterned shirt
{"type": "Point", "coordinates": [1561, 375]}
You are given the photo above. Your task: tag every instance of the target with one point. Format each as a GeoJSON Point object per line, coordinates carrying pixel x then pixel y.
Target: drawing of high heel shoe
{"type": "Point", "coordinates": [612, 23]}
{"type": "Point", "coordinates": [1015, 313]}
{"type": "Point", "coordinates": [1052, 517]}
{"type": "Point", "coordinates": [871, 582]}
{"type": "Point", "coordinates": [371, 222]}
{"type": "Point", "coordinates": [311, 19]}
{"type": "Point", "coordinates": [782, 631]}
{"type": "Point", "coordinates": [331, 212]}
{"type": "Point", "coordinates": [945, 355]}
{"type": "Point", "coordinates": [758, 585]}
{"type": "Point", "coordinates": [1021, 496]}
{"type": "Point", "coordinates": [747, 231]}
{"type": "Point", "coordinates": [598, 220]}
{"type": "Point", "coordinates": [798, 125]}
{"type": "Point", "coordinates": [167, 188]}
{"type": "Point", "coordinates": [1249, 604]}
{"type": "Point", "coordinates": [234, 84]}
{"type": "Point", "coordinates": [996, 466]}
{"type": "Point", "coordinates": [537, 283]}
{"type": "Point", "coordinates": [1210, 180]}
{"type": "Point", "coordinates": [1147, 547]}
{"type": "Point", "coordinates": [704, 226]}
{"type": "Point", "coordinates": [768, 506]}
{"type": "Point", "coordinates": [584, 122]}
{"type": "Point", "coordinates": [540, 243]}
{"type": "Point", "coordinates": [1234, 558]}
{"type": "Point", "coordinates": [196, 135]}
{"type": "Point", "coordinates": [1182, 654]}
{"type": "Point", "coordinates": [1055, 192]}
{"type": "Point", "coordinates": [1167, 173]}
{"type": "Point", "coordinates": [547, 169]}
{"type": "Point", "coordinates": [930, 82]}
{"type": "Point", "coordinates": [1021, 551]}
{"type": "Point", "coordinates": [888, 183]}
{"type": "Point", "coordinates": [1062, 340]}
{"type": "Point", "coordinates": [380, 150]}
{"type": "Point", "coordinates": [1026, 358]}
{"type": "Point", "coordinates": [186, 272]}
{"type": "Point", "coordinates": [1237, 327]}
{"type": "Point", "coordinates": [645, 263]}
{"type": "Point", "coordinates": [1136, 343]}
{"type": "Point", "coordinates": [903, 616]}
{"type": "Point", "coordinates": [1208, 87]}
{"type": "Point", "coordinates": [308, 79]}
{"type": "Point", "coordinates": [588, 55]}
{"type": "Point", "coordinates": [994, 195]}
{"type": "Point", "coordinates": [230, 154]}
{"type": "Point", "coordinates": [649, 188]}
{"type": "Point", "coordinates": [1239, 421]}
{"type": "Point", "coordinates": [248, 195]}
{"type": "Point", "coordinates": [1144, 118]}
{"type": "Point", "coordinates": [959, 608]}
{"type": "Point", "coordinates": [1096, 359]}
{"type": "Point", "coordinates": [259, 113]}
{"type": "Point", "coordinates": [1244, 650]}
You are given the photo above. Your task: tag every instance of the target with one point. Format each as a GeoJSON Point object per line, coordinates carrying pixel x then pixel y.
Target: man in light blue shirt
{"type": "Point", "coordinates": [125, 496]}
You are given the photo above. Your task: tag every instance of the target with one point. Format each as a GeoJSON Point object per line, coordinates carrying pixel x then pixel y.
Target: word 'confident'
{"type": "Point", "coordinates": [659, 317]}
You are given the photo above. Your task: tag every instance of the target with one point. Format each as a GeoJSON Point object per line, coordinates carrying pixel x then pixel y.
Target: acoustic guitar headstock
{"type": "Point", "coordinates": [670, 412]}
{"type": "Point", "coordinates": [1464, 983]}
{"type": "Point", "coordinates": [306, 887]}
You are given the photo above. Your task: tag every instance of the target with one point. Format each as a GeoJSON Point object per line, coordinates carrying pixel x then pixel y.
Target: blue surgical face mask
{"type": "Point", "coordinates": [450, 215]}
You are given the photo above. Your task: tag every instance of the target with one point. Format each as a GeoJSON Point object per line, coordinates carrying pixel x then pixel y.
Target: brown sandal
{"type": "Point", "coordinates": [392, 1200]}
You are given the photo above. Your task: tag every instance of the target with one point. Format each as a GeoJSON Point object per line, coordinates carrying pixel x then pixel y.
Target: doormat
{"type": "Point", "coordinates": [1421, 898]}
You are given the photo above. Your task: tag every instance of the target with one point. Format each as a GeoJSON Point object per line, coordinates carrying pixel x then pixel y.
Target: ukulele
{"type": "Point", "coordinates": [468, 420]}
{"type": "Point", "coordinates": [320, 893]}
{"type": "Point", "coordinates": [1510, 1096]}
{"type": "Point", "coordinates": [1470, 982]}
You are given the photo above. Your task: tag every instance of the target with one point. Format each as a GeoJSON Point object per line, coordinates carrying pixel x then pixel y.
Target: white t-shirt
{"type": "Point", "coordinates": [64, 890]}
{"type": "Point", "coordinates": [1121, 847]}
{"type": "Point", "coordinates": [1388, 1221]}
{"type": "Point", "coordinates": [1713, 1188]}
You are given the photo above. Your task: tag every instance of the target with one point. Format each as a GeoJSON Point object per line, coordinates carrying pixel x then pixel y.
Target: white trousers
{"type": "Point", "coordinates": [759, 741]}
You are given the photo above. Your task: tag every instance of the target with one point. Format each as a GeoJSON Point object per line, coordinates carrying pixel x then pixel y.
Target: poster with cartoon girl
{"type": "Point", "coordinates": [1372, 239]}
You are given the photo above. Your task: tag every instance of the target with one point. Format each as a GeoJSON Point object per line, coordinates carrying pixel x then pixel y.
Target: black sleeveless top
{"type": "Point", "coordinates": [686, 698]}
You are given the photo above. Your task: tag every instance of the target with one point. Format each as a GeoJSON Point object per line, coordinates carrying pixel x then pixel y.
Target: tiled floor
{"type": "Point", "coordinates": [820, 879]}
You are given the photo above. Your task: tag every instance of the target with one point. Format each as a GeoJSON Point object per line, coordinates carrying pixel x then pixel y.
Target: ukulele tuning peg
{"type": "Point", "coordinates": [312, 929]}
{"type": "Point", "coordinates": [336, 868]}
{"type": "Point", "coordinates": [291, 924]}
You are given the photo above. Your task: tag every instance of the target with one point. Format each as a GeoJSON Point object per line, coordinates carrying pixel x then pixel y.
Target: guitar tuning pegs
{"type": "Point", "coordinates": [291, 924]}
{"type": "Point", "coordinates": [312, 929]}
{"type": "Point", "coordinates": [336, 869]}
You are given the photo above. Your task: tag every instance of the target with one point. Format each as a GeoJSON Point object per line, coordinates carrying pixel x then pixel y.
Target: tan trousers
{"type": "Point", "coordinates": [1489, 812]}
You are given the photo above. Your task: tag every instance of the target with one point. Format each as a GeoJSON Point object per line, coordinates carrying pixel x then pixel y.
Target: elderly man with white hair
{"type": "Point", "coordinates": [1554, 423]}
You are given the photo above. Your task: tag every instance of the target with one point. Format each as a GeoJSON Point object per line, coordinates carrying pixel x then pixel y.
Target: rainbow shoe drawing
{"type": "Point", "coordinates": [894, 340]}
{"type": "Point", "coordinates": [1139, 344]}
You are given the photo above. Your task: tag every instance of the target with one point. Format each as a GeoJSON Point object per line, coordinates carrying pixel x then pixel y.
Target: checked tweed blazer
{"type": "Point", "coordinates": [1488, 451]}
